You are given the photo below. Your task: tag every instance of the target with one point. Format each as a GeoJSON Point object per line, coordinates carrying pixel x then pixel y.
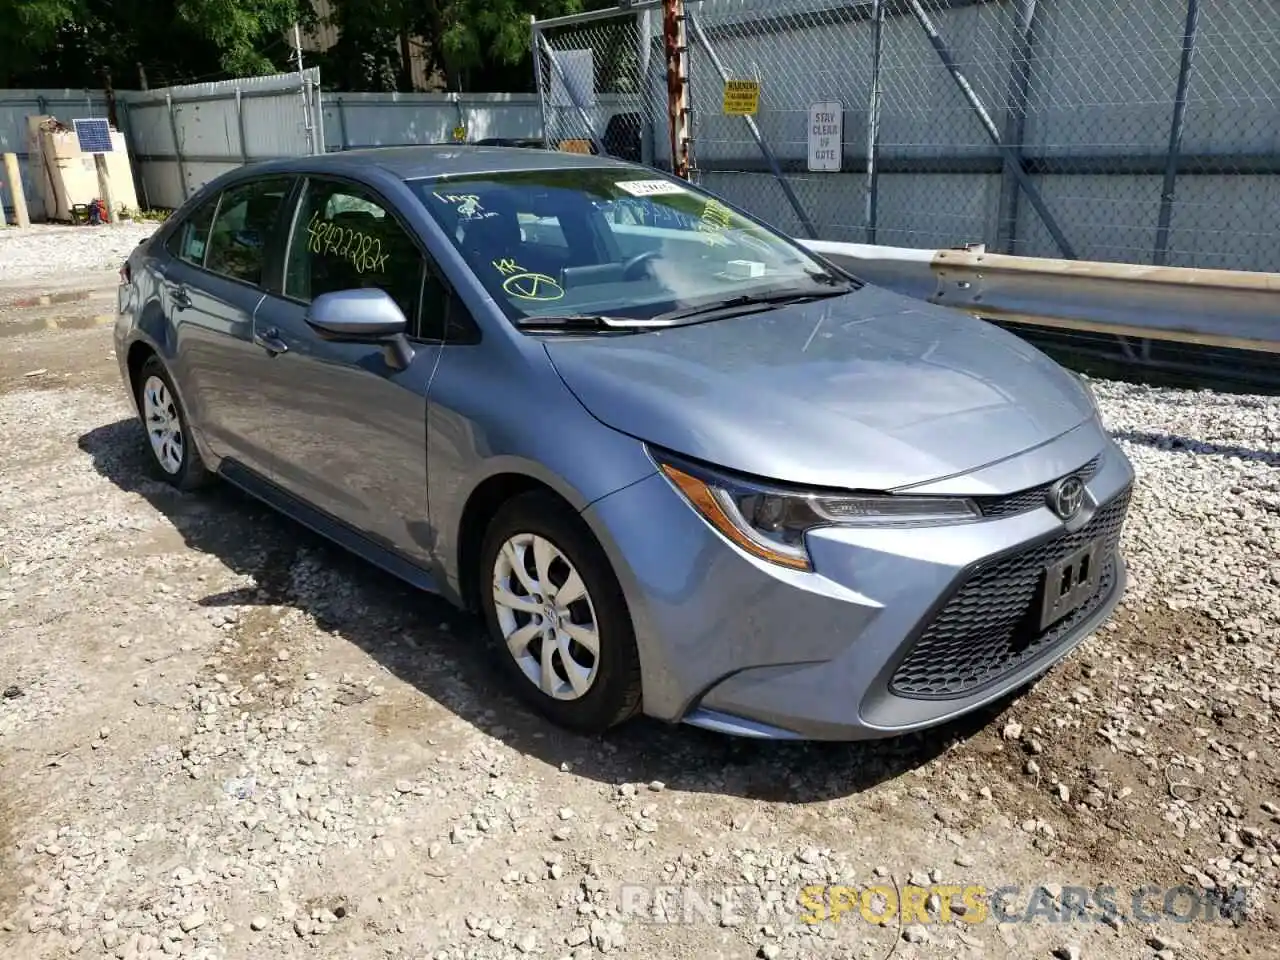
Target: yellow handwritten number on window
{"type": "Point", "coordinates": [359, 249]}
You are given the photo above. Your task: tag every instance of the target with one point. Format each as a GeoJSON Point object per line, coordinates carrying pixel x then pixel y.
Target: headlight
{"type": "Point", "coordinates": [771, 522]}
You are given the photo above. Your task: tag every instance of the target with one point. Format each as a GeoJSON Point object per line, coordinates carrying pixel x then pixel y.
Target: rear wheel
{"type": "Point", "coordinates": [557, 615]}
{"type": "Point", "coordinates": [169, 439]}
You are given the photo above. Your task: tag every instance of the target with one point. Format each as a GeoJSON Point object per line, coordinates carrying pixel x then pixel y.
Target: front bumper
{"type": "Point", "coordinates": [886, 634]}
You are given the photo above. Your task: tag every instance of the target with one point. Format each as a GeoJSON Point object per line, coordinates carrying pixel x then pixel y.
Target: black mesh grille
{"type": "Point", "coordinates": [1026, 500]}
{"type": "Point", "coordinates": [990, 626]}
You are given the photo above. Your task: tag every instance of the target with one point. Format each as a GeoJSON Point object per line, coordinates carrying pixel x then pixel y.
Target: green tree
{"type": "Point", "coordinates": [28, 30]}
{"type": "Point", "coordinates": [69, 43]}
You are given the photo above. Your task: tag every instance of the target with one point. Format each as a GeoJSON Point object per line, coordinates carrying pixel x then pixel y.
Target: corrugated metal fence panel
{"type": "Point", "coordinates": [354, 120]}
{"type": "Point", "coordinates": [186, 136]}
{"type": "Point", "coordinates": [16, 106]}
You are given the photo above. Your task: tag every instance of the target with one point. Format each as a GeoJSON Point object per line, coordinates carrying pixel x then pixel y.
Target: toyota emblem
{"type": "Point", "coordinates": [1066, 497]}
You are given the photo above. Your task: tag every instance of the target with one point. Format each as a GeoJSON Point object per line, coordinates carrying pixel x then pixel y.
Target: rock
{"type": "Point", "coordinates": [1161, 944]}
{"type": "Point", "coordinates": [11, 693]}
{"type": "Point", "coordinates": [258, 923]}
{"type": "Point", "coordinates": [193, 921]}
{"type": "Point", "coordinates": [770, 951]}
{"type": "Point", "coordinates": [809, 855]}
{"type": "Point", "coordinates": [657, 786]}
{"type": "Point", "coordinates": [915, 933]}
{"type": "Point", "coordinates": [1012, 730]}
{"type": "Point", "coordinates": [1068, 951]}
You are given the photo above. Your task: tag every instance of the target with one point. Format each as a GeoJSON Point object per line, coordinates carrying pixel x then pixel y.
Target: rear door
{"type": "Point", "coordinates": [212, 285]}
{"type": "Point", "coordinates": [348, 430]}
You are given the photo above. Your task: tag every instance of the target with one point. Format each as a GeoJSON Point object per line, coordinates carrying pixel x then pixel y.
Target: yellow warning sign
{"type": "Point", "coordinates": [575, 146]}
{"type": "Point", "coordinates": [741, 98]}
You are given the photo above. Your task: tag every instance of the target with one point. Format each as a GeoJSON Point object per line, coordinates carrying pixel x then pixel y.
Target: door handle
{"type": "Point", "coordinates": [181, 299]}
{"type": "Point", "coordinates": [269, 340]}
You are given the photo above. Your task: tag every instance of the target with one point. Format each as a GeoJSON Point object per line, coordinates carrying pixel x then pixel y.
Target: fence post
{"type": "Point", "coordinates": [979, 108]}
{"type": "Point", "coordinates": [1015, 124]}
{"type": "Point", "coordinates": [535, 38]}
{"type": "Point", "coordinates": [701, 36]}
{"type": "Point", "coordinates": [14, 176]}
{"type": "Point", "coordinates": [1165, 219]}
{"type": "Point", "coordinates": [677, 86]}
{"type": "Point", "coordinates": [342, 124]}
{"type": "Point", "coordinates": [244, 146]}
{"type": "Point", "coordinates": [177, 147]}
{"type": "Point", "coordinates": [873, 120]}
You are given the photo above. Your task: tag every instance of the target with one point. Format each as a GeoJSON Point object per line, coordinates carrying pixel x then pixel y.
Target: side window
{"type": "Point", "coordinates": [343, 239]}
{"type": "Point", "coordinates": [445, 317]}
{"type": "Point", "coordinates": [242, 231]}
{"type": "Point", "coordinates": [189, 240]}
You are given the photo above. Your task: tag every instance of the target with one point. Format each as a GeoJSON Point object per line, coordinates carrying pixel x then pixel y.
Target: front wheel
{"type": "Point", "coordinates": [557, 615]}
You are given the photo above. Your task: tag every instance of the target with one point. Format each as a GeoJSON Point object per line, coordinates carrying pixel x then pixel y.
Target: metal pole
{"type": "Point", "coordinates": [582, 112]}
{"type": "Point", "coordinates": [306, 94]}
{"type": "Point", "coordinates": [244, 146]}
{"type": "Point", "coordinates": [873, 120]}
{"type": "Point", "coordinates": [535, 35]}
{"type": "Point", "coordinates": [1015, 124]}
{"type": "Point", "coordinates": [756, 135]}
{"type": "Point", "coordinates": [177, 147]}
{"type": "Point", "coordinates": [677, 86]}
{"type": "Point", "coordinates": [1160, 255]}
{"type": "Point", "coordinates": [976, 104]}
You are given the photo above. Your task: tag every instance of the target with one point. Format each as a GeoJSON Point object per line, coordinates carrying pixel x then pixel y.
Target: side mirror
{"type": "Point", "coordinates": [362, 316]}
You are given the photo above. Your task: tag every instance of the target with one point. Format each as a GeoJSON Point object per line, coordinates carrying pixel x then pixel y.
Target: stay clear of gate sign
{"type": "Point", "coordinates": [826, 136]}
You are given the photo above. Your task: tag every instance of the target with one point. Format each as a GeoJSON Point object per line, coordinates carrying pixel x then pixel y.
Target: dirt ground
{"type": "Point", "coordinates": [221, 737]}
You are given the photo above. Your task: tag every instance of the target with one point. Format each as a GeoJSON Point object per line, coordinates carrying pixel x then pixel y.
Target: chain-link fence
{"type": "Point", "coordinates": [602, 80]}
{"type": "Point", "coordinates": [1145, 131]}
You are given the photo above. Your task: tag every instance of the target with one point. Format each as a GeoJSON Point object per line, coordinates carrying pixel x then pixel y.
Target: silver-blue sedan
{"type": "Point", "coordinates": [678, 464]}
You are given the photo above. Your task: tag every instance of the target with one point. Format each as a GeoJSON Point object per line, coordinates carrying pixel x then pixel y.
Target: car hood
{"type": "Point", "coordinates": [870, 391]}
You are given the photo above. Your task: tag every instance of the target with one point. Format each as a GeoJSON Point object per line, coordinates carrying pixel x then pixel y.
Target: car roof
{"type": "Point", "coordinates": [419, 162]}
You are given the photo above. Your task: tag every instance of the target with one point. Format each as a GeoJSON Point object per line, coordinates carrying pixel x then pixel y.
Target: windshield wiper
{"type": "Point", "coordinates": [762, 301]}
{"type": "Point", "coordinates": [586, 321]}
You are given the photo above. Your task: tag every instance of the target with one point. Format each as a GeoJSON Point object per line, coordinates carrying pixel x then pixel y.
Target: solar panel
{"type": "Point", "coordinates": [94, 135]}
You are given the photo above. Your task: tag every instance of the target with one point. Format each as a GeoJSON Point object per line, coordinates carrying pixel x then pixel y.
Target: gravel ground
{"type": "Point", "coordinates": [47, 250]}
{"type": "Point", "coordinates": [222, 738]}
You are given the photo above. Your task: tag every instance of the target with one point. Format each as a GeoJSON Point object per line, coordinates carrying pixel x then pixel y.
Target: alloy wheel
{"type": "Point", "coordinates": [546, 616]}
{"type": "Point", "coordinates": [164, 426]}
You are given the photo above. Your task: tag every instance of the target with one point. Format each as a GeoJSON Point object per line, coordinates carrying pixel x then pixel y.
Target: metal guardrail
{"type": "Point", "coordinates": [1229, 309]}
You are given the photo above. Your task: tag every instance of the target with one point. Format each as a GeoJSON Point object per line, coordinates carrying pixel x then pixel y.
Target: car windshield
{"type": "Point", "coordinates": [615, 243]}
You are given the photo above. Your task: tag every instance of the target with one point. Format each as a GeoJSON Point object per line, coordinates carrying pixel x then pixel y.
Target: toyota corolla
{"type": "Point", "coordinates": [679, 464]}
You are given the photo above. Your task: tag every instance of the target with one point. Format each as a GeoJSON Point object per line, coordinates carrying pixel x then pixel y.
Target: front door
{"type": "Point", "coordinates": [347, 429]}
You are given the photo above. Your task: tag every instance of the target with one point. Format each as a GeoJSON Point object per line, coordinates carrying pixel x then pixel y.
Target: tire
{"type": "Point", "coordinates": [173, 451]}
{"type": "Point", "coordinates": [599, 690]}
